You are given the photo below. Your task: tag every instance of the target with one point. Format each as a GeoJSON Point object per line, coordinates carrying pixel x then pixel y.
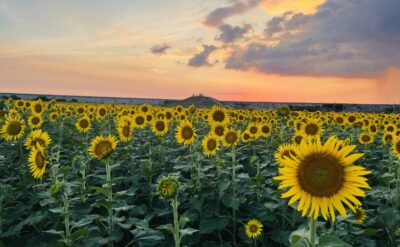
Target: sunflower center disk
{"type": "Point", "coordinates": [218, 116]}
{"type": "Point", "coordinates": [398, 146]}
{"type": "Point", "coordinates": [126, 131]}
{"type": "Point", "coordinates": [187, 133]}
{"type": "Point", "coordinates": [40, 159]}
{"type": "Point", "coordinates": [365, 138]}
{"type": "Point", "coordinates": [231, 138]}
{"type": "Point", "coordinates": [211, 144]}
{"type": "Point", "coordinates": [103, 148]}
{"type": "Point", "coordinates": [139, 120]}
{"type": "Point", "coordinates": [84, 123]}
{"type": "Point", "coordinates": [311, 129]}
{"type": "Point", "coordinates": [160, 126]}
{"type": "Point", "coordinates": [321, 176]}
{"type": "Point", "coordinates": [253, 228]}
{"type": "Point", "coordinates": [14, 128]}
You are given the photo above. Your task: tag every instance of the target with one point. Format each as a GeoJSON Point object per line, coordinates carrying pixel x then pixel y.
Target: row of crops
{"type": "Point", "coordinates": [83, 174]}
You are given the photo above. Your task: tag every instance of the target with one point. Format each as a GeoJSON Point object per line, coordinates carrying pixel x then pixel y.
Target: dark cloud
{"type": "Point", "coordinates": [201, 59]}
{"type": "Point", "coordinates": [217, 16]}
{"type": "Point", "coordinates": [230, 33]}
{"type": "Point", "coordinates": [344, 38]}
{"type": "Point", "coordinates": [160, 48]}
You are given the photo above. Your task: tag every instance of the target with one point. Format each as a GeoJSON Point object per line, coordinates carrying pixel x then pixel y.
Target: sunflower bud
{"type": "Point", "coordinates": [168, 187]}
{"type": "Point", "coordinates": [56, 188]}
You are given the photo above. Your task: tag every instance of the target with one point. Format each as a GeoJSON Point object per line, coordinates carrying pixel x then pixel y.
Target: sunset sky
{"type": "Point", "coordinates": [345, 51]}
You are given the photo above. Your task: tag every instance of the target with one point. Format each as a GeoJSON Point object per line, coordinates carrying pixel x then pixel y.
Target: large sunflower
{"type": "Point", "coordinates": [101, 146]}
{"type": "Point", "coordinates": [37, 137]}
{"type": "Point", "coordinates": [83, 124]}
{"type": "Point", "coordinates": [185, 133]}
{"type": "Point", "coordinates": [396, 147]}
{"type": "Point", "coordinates": [37, 162]}
{"type": "Point", "coordinates": [253, 228]}
{"type": "Point", "coordinates": [323, 177]}
{"type": "Point", "coordinates": [13, 128]}
{"type": "Point", "coordinates": [210, 145]}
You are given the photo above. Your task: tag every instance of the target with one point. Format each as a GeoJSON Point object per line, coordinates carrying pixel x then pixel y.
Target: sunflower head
{"type": "Point", "coordinates": [160, 127]}
{"type": "Point", "coordinates": [323, 177]}
{"type": "Point", "coordinates": [35, 121]}
{"type": "Point", "coordinates": [285, 151]}
{"type": "Point", "coordinates": [253, 228]}
{"type": "Point", "coordinates": [125, 132]}
{"type": "Point", "coordinates": [102, 146]}
{"type": "Point", "coordinates": [83, 124]}
{"type": "Point", "coordinates": [366, 138]}
{"type": "Point", "coordinates": [218, 114]}
{"type": "Point", "coordinates": [37, 162]}
{"type": "Point", "coordinates": [210, 145]}
{"type": "Point", "coordinates": [312, 128]}
{"type": "Point", "coordinates": [359, 215]}
{"type": "Point", "coordinates": [13, 128]}
{"type": "Point", "coordinates": [396, 147]}
{"type": "Point", "coordinates": [37, 137]}
{"type": "Point", "coordinates": [185, 133]}
{"type": "Point", "coordinates": [231, 138]}
{"type": "Point", "coordinates": [168, 187]}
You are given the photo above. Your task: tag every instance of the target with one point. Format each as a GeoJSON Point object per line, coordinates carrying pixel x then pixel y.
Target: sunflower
{"type": "Point", "coordinates": [218, 130]}
{"type": "Point", "coordinates": [246, 137]}
{"type": "Point", "coordinates": [37, 107]}
{"type": "Point", "coordinates": [231, 138]}
{"type": "Point", "coordinates": [312, 128]}
{"type": "Point", "coordinates": [297, 138]}
{"type": "Point", "coordinates": [139, 121]}
{"type": "Point", "coordinates": [359, 215]}
{"type": "Point", "coordinates": [101, 146]}
{"type": "Point", "coordinates": [159, 127]}
{"type": "Point", "coordinates": [254, 130]}
{"type": "Point", "coordinates": [323, 177]}
{"type": "Point", "coordinates": [218, 114]}
{"type": "Point", "coordinates": [387, 138]}
{"type": "Point", "coordinates": [253, 228]}
{"type": "Point", "coordinates": [37, 137]}
{"type": "Point", "coordinates": [83, 124]}
{"type": "Point", "coordinates": [125, 132]}
{"type": "Point", "coordinates": [210, 145]}
{"type": "Point", "coordinates": [53, 117]}
{"type": "Point", "coordinates": [365, 138]}
{"type": "Point", "coordinates": [13, 128]}
{"type": "Point", "coordinates": [37, 162]}
{"type": "Point", "coordinates": [35, 121]}
{"type": "Point", "coordinates": [396, 147]}
{"type": "Point", "coordinates": [185, 133]}
{"type": "Point", "coordinates": [285, 150]}
{"type": "Point", "coordinates": [168, 187]}
{"type": "Point", "coordinates": [265, 130]}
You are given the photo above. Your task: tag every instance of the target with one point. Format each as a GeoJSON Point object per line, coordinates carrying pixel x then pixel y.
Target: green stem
{"type": "Point", "coordinates": [198, 167]}
{"type": "Point", "coordinates": [234, 194]}
{"type": "Point", "coordinates": [109, 199]}
{"type": "Point", "coordinates": [175, 204]}
{"type": "Point", "coordinates": [1, 213]}
{"type": "Point", "coordinates": [313, 230]}
{"type": "Point", "coordinates": [258, 184]}
{"type": "Point", "coordinates": [66, 220]}
{"type": "Point", "coordinates": [398, 186]}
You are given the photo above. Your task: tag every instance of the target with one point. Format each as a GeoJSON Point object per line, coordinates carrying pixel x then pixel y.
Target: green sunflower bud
{"type": "Point", "coordinates": [56, 188]}
{"type": "Point", "coordinates": [168, 187]}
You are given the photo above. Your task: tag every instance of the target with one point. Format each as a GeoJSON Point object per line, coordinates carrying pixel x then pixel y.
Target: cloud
{"type": "Point", "coordinates": [160, 48]}
{"type": "Point", "coordinates": [343, 38]}
{"type": "Point", "coordinates": [217, 16]}
{"type": "Point", "coordinates": [201, 59]}
{"type": "Point", "coordinates": [230, 33]}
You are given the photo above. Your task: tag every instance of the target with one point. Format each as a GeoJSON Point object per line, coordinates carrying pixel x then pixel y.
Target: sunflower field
{"type": "Point", "coordinates": [85, 174]}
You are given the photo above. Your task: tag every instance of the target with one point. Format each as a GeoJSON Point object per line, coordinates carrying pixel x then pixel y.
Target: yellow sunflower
{"type": "Point", "coordinates": [312, 128]}
{"type": "Point", "coordinates": [285, 151]}
{"type": "Point", "coordinates": [125, 132]}
{"type": "Point", "coordinates": [297, 138]}
{"type": "Point", "coordinates": [323, 177]}
{"type": "Point", "coordinates": [246, 137]}
{"type": "Point", "coordinates": [37, 107]}
{"type": "Point", "coordinates": [265, 130]}
{"type": "Point", "coordinates": [218, 130]}
{"type": "Point", "coordinates": [396, 147]}
{"type": "Point", "coordinates": [254, 130]}
{"type": "Point", "coordinates": [35, 121]}
{"type": "Point", "coordinates": [253, 228]}
{"type": "Point", "coordinates": [160, 127]}
{"type": "Point", "coordinates": [13, 128]}
{"type": "Point", "coordinates": [231, 138]}
{"type": "Point", "coordinates": [53, 117]}
{"type": "Point", "coordinates": [37, 162]}
{"type": "Point", "coordinates": [218, 114]}
{"type": "Point", "coordinates": [139, 121]}
{"type": "Point", "coordinates": [185, 133]}
{"type": "Point", "coordinates": [359, 215]}
{"type": "Point", "coordinates": [37, 137]}
{"type": "Point", "coordinates": [210, 145]}
{"type": "Point", "coordinates": [102, 146]}
{"type": "Point", "coordinates": [83, 124]}
{"type": "Point", "coordinates": [365, 138]}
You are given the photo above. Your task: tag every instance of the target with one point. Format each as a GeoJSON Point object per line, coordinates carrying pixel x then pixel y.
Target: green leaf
{"type": "Point", "coordinates": [78, 234]}
{"type": "Point", "coordinates": [187, 231]}
{"type": "Point", "coordinates": [301, 242]}
{"type": "Point", "coordinates": [332, 241]}
{"type": "Point", "coordinates": [167, 227]}
{"type": "Point", "coordinates": [55, 232]}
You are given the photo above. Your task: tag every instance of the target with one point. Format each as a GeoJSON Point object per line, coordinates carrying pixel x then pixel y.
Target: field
{"type": "Point", "coordinates": [84, 174]}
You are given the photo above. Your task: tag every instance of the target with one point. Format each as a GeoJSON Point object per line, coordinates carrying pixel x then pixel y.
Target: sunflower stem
{"type": "Point", "coordinates": [313, 230]}
{"type": "Point", "coordinates": [234, 194]}
{"type": "Point", "coordinates": [398, 186]}
{"type": "Point", "coordinates": [175, 204]}
{"type": "Point", "coordinates": [109, 204]}
{"type": "Point", "coordinates": [66, 220]}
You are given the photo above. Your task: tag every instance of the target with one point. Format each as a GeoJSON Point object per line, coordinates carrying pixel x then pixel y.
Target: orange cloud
{"type": "Point", "coordinates": [276, 7]}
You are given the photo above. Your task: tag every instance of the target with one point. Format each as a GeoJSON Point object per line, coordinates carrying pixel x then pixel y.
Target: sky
{"type": "Point", "coordinates": [331, 51]}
